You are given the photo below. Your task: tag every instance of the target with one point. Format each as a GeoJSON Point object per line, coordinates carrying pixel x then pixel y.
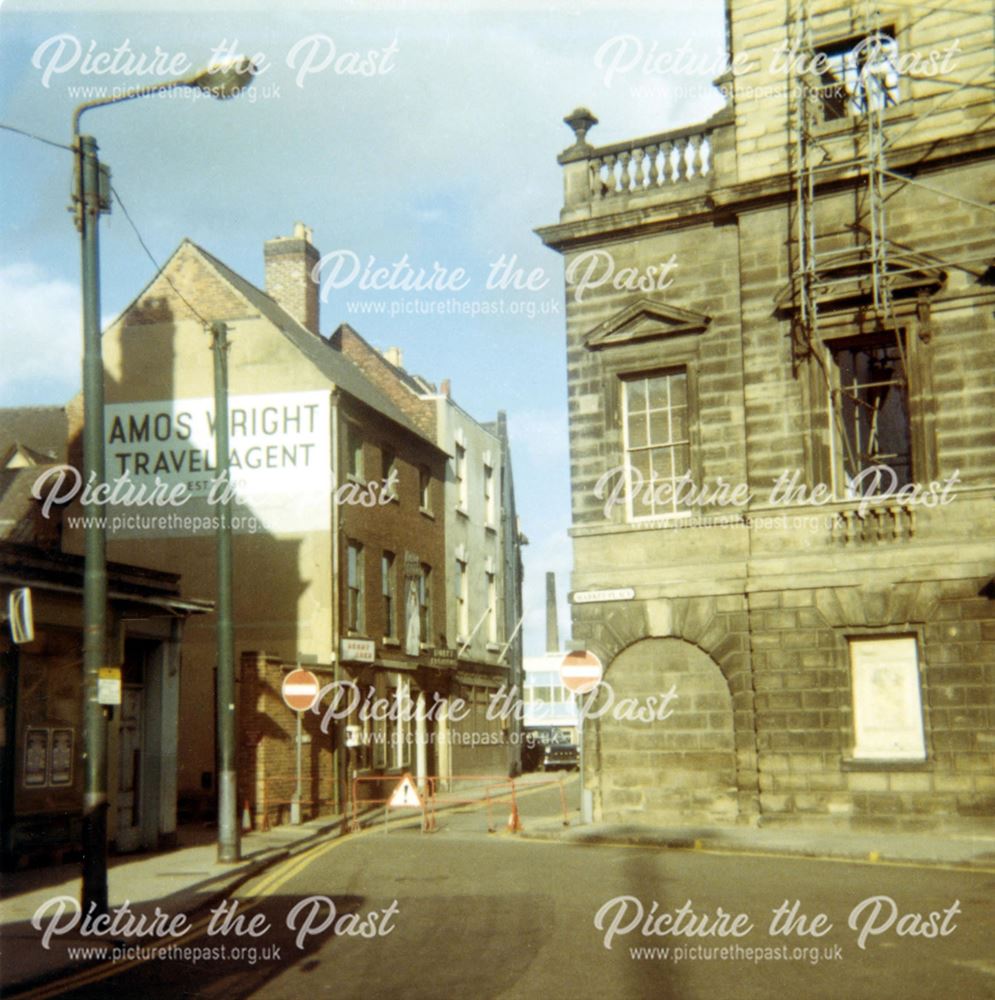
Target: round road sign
{"type": "Point", "coordinates": [300, 689]}
{"type": "Point", "coordinates": [581, 671]}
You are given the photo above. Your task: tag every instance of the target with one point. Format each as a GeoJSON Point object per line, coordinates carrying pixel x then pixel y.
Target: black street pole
{"type": "Point", "coordinates": [221, 81]}
{"type": "Point", "coordinates": [229, 841]}
{"type": "Point", "coordinates": [94, 896]}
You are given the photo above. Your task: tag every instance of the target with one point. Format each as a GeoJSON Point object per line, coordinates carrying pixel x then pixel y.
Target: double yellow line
{"type": "Point", "coordinates": [256, 890]}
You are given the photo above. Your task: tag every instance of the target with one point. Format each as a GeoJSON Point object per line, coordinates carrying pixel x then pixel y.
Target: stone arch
{"type": "Point", "coordinates": [717, 626]}
{"type": "Point", "coordinates": [678, 769]}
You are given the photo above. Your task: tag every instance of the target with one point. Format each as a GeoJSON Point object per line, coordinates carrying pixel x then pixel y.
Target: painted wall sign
{"type": "Point", "coordinates": [279, 453]}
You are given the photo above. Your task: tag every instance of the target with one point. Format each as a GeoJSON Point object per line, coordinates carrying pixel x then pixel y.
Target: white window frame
{"type": "Point", "coordinates": [627, 381]}
{"type": "Point", "coordinates": [490, 508]}
{"type": "Point", "coordinates": [388, 591]}
{"type": "Point", "coordinates": [462, 595]}
{"type": "Point", "coordinates": [492, 620]}
{"type": "Point", "coordinates": [359, 588]}
{"type": "Point", "coordinates": [402, 730]}
{"type": "Point", "coordinates": [459, 466]}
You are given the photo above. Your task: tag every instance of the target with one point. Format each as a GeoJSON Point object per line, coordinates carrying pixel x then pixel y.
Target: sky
{"type": "Point", "coordinates": [419, 131]}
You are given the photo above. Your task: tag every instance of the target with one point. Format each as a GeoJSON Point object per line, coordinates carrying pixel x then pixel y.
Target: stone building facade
{"type": "Point", "coordinates": [761, 308]}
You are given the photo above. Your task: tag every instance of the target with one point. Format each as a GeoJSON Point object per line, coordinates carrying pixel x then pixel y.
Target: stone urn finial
{"type": "Point", "coordinates": [581, 121]}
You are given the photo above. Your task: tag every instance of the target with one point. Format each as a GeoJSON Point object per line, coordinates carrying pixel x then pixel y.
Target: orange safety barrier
{"type": "Point", "coordinates": [437, 793]}
{"type": "Point", "coordinates": [384, 801]}
{"type": "Point", "coordinates": [280, 805]}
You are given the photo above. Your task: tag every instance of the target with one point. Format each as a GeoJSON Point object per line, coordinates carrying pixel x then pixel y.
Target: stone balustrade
{"type": "Point", "coordinates": [885, 523]}
{"type": "Point", "coordinates": [668, 162]}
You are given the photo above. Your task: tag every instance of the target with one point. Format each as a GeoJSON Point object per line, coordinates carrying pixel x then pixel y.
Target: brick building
{"type": "Point", "coordinates": [339, 546]}
{"type": "Point", "coordinates": [790, 294]}
{"type": "Point", "coordinates": [483, 554]}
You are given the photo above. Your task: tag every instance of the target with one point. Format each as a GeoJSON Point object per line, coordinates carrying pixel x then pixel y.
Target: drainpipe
{"type": "Point", "coordinates": [336, 594]}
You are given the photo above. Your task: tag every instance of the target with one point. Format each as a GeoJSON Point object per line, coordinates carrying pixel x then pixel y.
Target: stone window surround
{"type": "Point", "coordinates": [898, 26]}
{"type": "Point", "coordinates": [843, 637]}
{"type": "Point", "coordinates": [641, 360]}
{"type": "Point", "coordinates": [910, 316]}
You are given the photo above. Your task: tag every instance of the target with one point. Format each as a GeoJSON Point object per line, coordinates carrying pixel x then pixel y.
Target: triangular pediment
{"type": "Point", "coordinates": [645, 320]}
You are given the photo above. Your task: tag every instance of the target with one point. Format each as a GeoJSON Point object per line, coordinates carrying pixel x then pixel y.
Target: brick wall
{"type": "Point", "coordinates": [267, 764]}
{"type": "Point", "coordinates": [386, 378]}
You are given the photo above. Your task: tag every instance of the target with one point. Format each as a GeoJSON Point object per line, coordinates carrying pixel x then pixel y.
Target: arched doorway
{"type": "Point", "coordinates": [677, 770]}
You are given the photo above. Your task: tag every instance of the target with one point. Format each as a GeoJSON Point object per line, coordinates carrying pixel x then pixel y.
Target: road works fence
{"type": "Point", "coordinates": [457, 792]}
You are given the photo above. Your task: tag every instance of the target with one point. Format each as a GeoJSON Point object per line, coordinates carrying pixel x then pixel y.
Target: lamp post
{"type": "Point", "coordinates": [92, 197]}
{"type": "Point", "coordinates": [229, 841]}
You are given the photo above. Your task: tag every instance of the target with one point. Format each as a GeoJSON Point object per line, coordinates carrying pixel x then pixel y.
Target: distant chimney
{"type": "Point", "coordinates": [552, 630]}
{"type": "Point", "coordinates": [445, 388]}
{"type": "Point", "coordinates": [394, 356]}
{"type": "Point", "coordinates": [289, 261]}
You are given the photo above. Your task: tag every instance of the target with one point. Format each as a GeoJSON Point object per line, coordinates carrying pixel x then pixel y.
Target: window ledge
{"type": "Point", "coordinates": [425, 512]}
{"type": "Point", "coordinates": [390, 641]}
{"type": "Point", "coordinates": [462, 510]}
{"type": "Point", "coordinates": [492, 528]}
{"type": "Point", "coordinates": [867, 764]}
{"type": "Point", "coordinates": [493, 647]}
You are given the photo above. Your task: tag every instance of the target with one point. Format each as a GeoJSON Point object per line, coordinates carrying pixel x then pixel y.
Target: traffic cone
{"type": "Point", "coordinates": [514, 820]}
{"type": "Point", "coordinates": [246, 818]}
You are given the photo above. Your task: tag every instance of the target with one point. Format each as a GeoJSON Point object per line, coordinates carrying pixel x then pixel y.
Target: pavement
{"type": "Point", "coordinates": [190, 880]}
{"type": "Point", "coordinates": [970, 844]}
{"type": "Point", "coordinates": [187, 879]}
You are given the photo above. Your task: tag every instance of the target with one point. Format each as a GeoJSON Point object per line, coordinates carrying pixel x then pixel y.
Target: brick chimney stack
{"type": "Point", "coordinates": [289, 261]}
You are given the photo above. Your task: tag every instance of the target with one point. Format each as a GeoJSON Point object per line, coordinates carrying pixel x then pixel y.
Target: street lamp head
{"type": "Point", "coordinates": [224, 80]}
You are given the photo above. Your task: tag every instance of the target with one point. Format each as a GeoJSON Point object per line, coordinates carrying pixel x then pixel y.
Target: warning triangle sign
{"type": "Point", "coordinates": [405, 794]}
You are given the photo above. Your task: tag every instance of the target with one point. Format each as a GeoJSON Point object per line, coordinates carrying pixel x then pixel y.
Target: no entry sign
{"type": "Point", "coordinates": [581, 671]}
{"type": "Point", "coordinates": [300, 690]}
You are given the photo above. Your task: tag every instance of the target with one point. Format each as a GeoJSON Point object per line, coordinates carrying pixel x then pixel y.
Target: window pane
{"type": "Point", "coordinates": [635, 395]}
{"type": "Point", "coordinates": [679, 423]}
{"type": "Point", "coordinates": [659, 396]}
{"type": "Point", "coordinates": [659, 427]}
{"type": "Point", "coordinates": [871, 418]}
{"type": "Point", "coordinates": [640, 461]}
{"type": "Point", "coordinates": [678, 389]}
{"type": "Point", "coordinates": [637, 430]}
{"type": "Point", "coordinates": [682, 459]}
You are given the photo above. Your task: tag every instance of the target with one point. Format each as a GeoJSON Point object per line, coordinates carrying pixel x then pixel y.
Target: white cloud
{"type": "Point", "coordinates": [40, 336]}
